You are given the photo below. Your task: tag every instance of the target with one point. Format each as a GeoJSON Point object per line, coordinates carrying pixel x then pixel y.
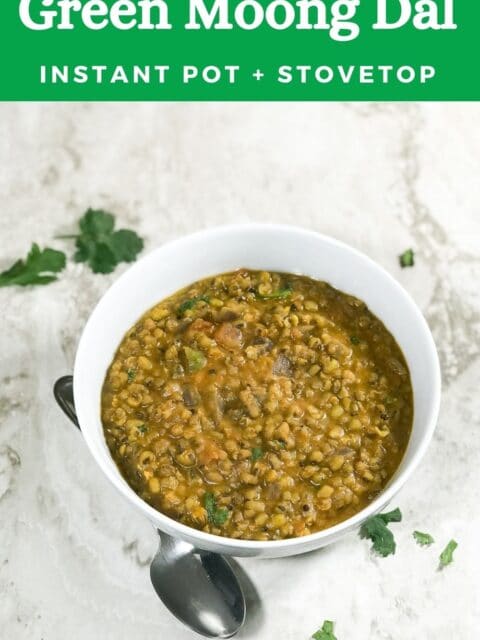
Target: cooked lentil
{"type": "Point", "coordinates": [258, 405]}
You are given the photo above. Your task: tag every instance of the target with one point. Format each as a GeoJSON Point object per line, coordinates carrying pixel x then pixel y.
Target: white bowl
{"type": "Point", "coordinates": [274, 248]}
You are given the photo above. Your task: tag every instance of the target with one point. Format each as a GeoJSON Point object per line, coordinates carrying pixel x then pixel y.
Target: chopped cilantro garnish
{"type": "Point", "coordinates": [39, 267]}
{"type": "Point", "coordinates": [217, 516]}
{"type": "Point", "coordinates": [446, 557]}
{"type": "Point", "coordinates": [354, 339]}
{"type": "Point", "coordinates": [257, 453]}
{"type": "Point", "coordinates": [407, 258]}
{"type": "Point", "coordinates": [131, 373]}
{"type": "Point", "coordinates": [376, 530]}
{"type": "Point", "coordinates": [100, 246]}
{"type": "Point", "coordinates": [326, 632]}
{"type": "Point", "coordinates": [191, 303]}
{"type": "Point", "coordinates": [280, 294]}
{"type": "Point", "coordinates": [142, 428]}
{"type": "Point", "coordinates": [423, 539]}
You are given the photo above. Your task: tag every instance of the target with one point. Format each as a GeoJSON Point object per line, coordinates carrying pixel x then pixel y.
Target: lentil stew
{"type": "Point", "coordinates": [258, 405]}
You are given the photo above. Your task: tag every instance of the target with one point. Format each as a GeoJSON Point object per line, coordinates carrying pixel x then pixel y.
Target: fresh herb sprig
{"type": "Point", "coordinates": [38, 268]}
{"type": "Point", "coordinates": [280, 294]}
{"type": "Point", "coordinates": [100, 246]}
{"type": "Point", "coordinates": [423, 539]}
{"type": "Point", "coordinates": [376, 529]}
{"type": "Point", "coordinates": [216, 515]}
{"type": "Point", "coordinates": [446, 557]}
{"type": "Point", "coordinates": [326, 632]}
{"type": "Point", "coordinates": [407, 259]}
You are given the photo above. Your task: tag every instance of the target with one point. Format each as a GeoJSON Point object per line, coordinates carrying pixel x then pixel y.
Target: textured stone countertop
{"type": "Point", "coordinates": [73, 555]}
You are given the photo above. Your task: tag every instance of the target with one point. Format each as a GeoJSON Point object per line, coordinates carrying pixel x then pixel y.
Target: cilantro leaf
{"type": "Point", "coordinates": [391, 516]}
{"type": "Point", "coordinates": [376, 530]}
{"type": "Point", "coordinates": [407, 259]}
{"type": "Point", "coordinates": [446, 557]}
{"type": "Point", "coordinates": [102, 247]}
{"type": "Point", "coordinates": [326, 632]}
{"type": "Point", "coordinates": [220, 517]}
{"type": "Point", "coordinates": [209, 502]}
{"type": "Point", "coordinates": [131, 374]}
{"type": "Point", "coordinates": [125, 244]}
{"type": "Point", "coordinates": [39, 267]}
{"type": "Point", "coordinates": [257, 453]}
{"type": "Point", "coordinates": [423, 539]}
{"type": "Point", "coordinates": [98, 255]}
{"type": "Point", "coordinates": [190, 304]}
{"type": "Point", "coordinates": [280, 294]}
{"type": "Point", "coordinates": [354, 339]}
{"type": "Point", "coordinates": [96, 223]}
{"type": "Point", "coordinates": [217, 516]}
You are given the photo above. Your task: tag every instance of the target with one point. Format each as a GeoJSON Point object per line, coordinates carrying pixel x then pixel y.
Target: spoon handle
{"type": "Point", "coordinates": [63, 392]}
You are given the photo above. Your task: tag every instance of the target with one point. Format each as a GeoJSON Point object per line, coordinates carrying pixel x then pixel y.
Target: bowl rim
{"type": "Point", "coordinates": [313, 540]}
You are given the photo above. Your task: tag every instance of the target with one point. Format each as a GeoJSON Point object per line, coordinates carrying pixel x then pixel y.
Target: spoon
{"type": "Point", "coordinates": [200, 588]}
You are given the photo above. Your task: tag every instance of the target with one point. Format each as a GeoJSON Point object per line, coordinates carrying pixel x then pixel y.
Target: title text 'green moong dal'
{"type": "Point", "coordinates": [336, 18]}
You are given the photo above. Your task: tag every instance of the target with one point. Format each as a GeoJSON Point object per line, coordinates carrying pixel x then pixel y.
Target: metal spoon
{"type": "Point", "coordinates": [63, 392]}
{"type": "Point", "coordinates": [200, 588]}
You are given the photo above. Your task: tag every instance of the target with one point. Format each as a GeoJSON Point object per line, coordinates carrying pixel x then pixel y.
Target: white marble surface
{"type": "Point", "coordinates": [73, 556]}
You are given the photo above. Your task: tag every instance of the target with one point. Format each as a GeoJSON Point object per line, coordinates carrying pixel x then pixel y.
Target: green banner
{"type": "Point", "coordinates": [239, 50]}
